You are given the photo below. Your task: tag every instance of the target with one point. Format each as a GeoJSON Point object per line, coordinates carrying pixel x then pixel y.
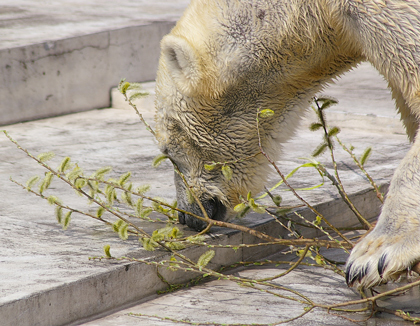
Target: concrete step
{"type": "Point", "coordinates": [64, 56]}
{"type": "Point", "coordinates": [223, 302]}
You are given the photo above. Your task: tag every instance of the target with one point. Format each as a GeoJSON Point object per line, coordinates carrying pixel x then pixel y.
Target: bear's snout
{"type": "Point", "coordinates": [214, 208]}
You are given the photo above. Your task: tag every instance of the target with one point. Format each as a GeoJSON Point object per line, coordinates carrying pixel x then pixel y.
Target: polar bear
{"type": "Point", "coordinates": [226, 59]}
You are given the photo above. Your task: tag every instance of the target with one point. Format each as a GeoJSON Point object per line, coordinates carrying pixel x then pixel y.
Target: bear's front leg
{"type": "Point", "coordinates": [393, 247]}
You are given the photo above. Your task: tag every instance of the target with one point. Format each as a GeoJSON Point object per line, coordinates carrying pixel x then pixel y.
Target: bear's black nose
{"type": "Point", "coordinates": [214, 209]}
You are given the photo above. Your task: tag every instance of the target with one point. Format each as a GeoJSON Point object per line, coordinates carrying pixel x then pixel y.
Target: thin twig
{"type": "Point", "coordinates": [337, 182]}
{"type": "Point", "coordinates": [296, 264]}
{"type": "Point", "coordinates": [294, 191]}
{"type": "Point", "coordinates": [362, 168]}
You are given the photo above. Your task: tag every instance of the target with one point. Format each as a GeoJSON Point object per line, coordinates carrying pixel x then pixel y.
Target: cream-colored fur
{"type": "Point", "coordinates": [225, 59]}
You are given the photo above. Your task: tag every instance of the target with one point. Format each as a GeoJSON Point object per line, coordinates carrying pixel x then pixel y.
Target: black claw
{"type": "Point", "coordinates": [363, 272]}
{"type": "Point", "coordinates": [353, 277]}
{"type": "Point", "coordinates": [348, 269]}
{"type": "Point", "coordinates": [382, 264]}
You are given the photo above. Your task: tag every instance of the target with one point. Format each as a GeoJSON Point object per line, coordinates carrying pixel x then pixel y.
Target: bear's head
{"type": "Point", "coordinates": [213, 78]}
{"type": "Point", "coordinates": [205, 115]}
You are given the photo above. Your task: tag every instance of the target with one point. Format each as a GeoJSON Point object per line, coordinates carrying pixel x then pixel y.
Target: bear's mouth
{"type": "Point", "coordinates": [214, 208]}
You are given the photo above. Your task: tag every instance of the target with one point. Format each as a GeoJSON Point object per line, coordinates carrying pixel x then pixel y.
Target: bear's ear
{"type": "Point", "coordinates": [183, 63]}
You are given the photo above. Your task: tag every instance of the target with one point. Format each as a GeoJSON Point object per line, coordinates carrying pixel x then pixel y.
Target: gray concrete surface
{"type": "Point", "coordinates": [224, 302]}
{"type": "Point", "coordinates": [45, 275]}
{"type": "Point", "coordinates": [60, 57]}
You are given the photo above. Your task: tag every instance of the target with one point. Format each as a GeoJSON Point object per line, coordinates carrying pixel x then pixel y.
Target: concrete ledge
{"type": "Point", "coordinates": [76, 74]}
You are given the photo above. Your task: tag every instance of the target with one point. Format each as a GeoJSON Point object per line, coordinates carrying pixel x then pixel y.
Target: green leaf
{"type": "Point", "coordinates": [148, 244]}
{"type": "Point", "coordinates": [80, 183]}
{"type": "Point", "coordinates": [240, 207]}
{"type": "Point", "coordinates": [100, 211]}
{"type": "Point", "coordinates": [32, 182]}
{"type": "Point", "coordinates": [123, 231]}
{"type": "Point", "coordinates": [142, 189]}
{"type": "Point", "coordinates": [248, 196]}
{"type": "Point", "coordinates": [315, 126]}
{"type": "Point", "coordinates": [210, 167]}
{"type": "Point", "coordinates": [135, 86]}
{"type": "Point", "coordinates": [319, 150]}
{"type": "Point", "coordinates": [64, 165]}
{"type": "Point", "coordinates": [318, 220]}
{"type": "Point", "coordinates": [175, 245]}
{"type": "Point", "coordinates": [123, 87]}
{"type": "Point", "coordinates": [196, 239]}
{"type": "Point", "coordinates": [146, 212]}
{"type": "Point", "coordinates": [158, 207]}
{"type": "Point", "coordinates": [107, 250]}
{"type": "Point", "coordinates": [319, 260]}
{"type": "Point", "coordinates": [190, 197]}
{"type": "Point", "coordinates": [175, 233]}
{"type": "Point", "coordinates": [137, 95]}
{"type": "Point", "coordinates": [67, 219]}
{"type": "Point", "coordinates": [52, 200]}
{"type": "Point", "coordinates": [46, 182]}
{"type": "Point", "coordinates": [139, 206]}
{"type": "Point", "coordinates": [302, 251]}
{"type": "Point", "coordinates": [76, 172]}
{"type": "Point", "coordinates": [255, 207]}
{"type": "Point", "coordinates": [93, 185]}
{"type": "Point", "coordinates": [283, 211]}
{"type": "Point", "coordinates": [110, 195]}
{"type": "Point", "coordinates": [173, 264]}
{"type": "Point", "coordinates": [365, 155]}
{"type": "Point", "coordinates": [244, 212]}
{"type": "Point", "coordinates": [174, 213]}
{"type": "Point", "coordinates": [277, 200]}
{"type": "Point", "coordinates": [205, 258]}
{"type": "Point", "coordinates": [59, 214]}
{"type": "Point", "coordinates": [43, 157]}
{"type": "Point", "coordinates": [159, 159]}
{"type": "Point", "coordinates": [312, 164]}
{"type": "Point", "coordinates": [158, 235]}
{"type": "Point", "coordinates": [99, 174]}
{"type": "Point", "coordinates": [123, 179]}
{"type": "Point", "coordinates": [266, 113]}
{"type": "Point", "coordinates": [258, 209]}
{"type": "Point", "coordinates": [126, 197]}
{"type": "Point", "coordinates": [326, 102]}
{"type": "Point", "coordinates": [117, 224]}
{"type": "Point", "coordinates": [227, 172]}
{"type": "Point", "coordinates": [333, 131]}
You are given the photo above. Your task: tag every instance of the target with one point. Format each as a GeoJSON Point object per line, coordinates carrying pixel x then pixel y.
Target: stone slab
{"type": "Point", "coordinates": [224, 302]}
{"type": "Point", "coordinates": [26, 22]}
{"type": "Point", "coordinates": [60, 57]}
{"type": "Point", "coordinates": [75, 74]}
